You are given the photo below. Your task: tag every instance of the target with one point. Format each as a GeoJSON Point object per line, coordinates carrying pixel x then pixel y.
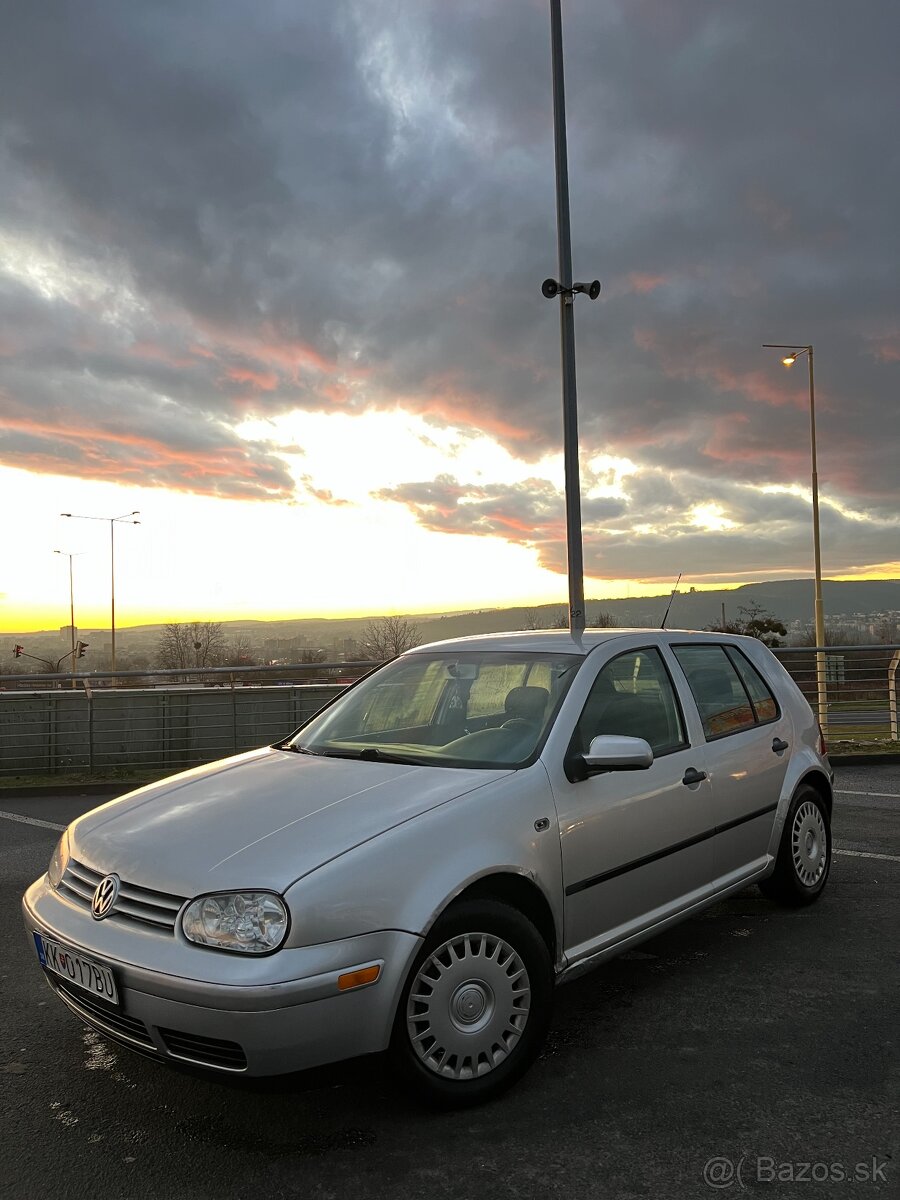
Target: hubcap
{"type": "Point", "coordinates": [809, 844]}
{"type": "Point", "coordinates": [468, 1006]}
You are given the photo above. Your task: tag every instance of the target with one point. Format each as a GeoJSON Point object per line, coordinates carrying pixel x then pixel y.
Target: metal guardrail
{"type": "Point", "coordinates": [859, 685]}
{"type": "Point", "coordinates": [159, 722]}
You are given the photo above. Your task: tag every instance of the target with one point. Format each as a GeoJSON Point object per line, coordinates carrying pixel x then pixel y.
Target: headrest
{"type": "Point", "coordinates": [529, 703]}
{"type": "Point", "coordinates": [713, 682]}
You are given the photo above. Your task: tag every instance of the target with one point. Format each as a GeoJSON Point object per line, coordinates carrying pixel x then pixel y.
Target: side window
{"type": "Point", "coordinates": [760, 697]}
{"type": "Point", "coordinates": [721, 697]}
{"type": "Point", "coordinates": [633, 696]}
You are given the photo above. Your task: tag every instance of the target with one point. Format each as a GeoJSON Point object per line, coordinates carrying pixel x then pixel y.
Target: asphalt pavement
{"type": "Point", "coordinates": [750, 1049]}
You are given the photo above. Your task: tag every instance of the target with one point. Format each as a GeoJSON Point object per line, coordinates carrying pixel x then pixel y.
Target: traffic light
{"type": "Point", "coordinates": [19, 650]}
{"type": "Point", "coordinates": [80, 649]}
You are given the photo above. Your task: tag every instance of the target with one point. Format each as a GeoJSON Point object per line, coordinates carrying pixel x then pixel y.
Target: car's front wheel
{"type": "Point", "coordinates": [475, 1009]}
{"type": "Point", "coordinates": [804, 855]}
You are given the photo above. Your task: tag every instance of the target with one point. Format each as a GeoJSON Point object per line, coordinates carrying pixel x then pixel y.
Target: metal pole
{"type": "Point", "coordinates": [567, 334]}
{"type": "Point", "coordinates": [72, 617]}
{"type": "Point", "coordinates": [821, 686]}
{"type": "Point", "coordinates": [112, 593]}
{"type": "Point", "coordinates": [819, 610]}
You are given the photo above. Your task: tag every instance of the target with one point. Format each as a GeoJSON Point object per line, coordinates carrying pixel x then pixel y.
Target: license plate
{"type": "Point", "coordinates": [83, 972]}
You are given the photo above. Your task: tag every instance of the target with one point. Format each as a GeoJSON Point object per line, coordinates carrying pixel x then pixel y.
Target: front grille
{"type": "Point", "coordinates": [107, 1020]}
{"type": "Point", "coordinates": [211, 1052]}
{"type": "Point", "coordinates": [134, 903]}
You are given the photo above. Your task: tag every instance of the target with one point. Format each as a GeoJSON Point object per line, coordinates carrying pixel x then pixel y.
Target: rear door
{"type": "Point", "coordinates": [748, 739]}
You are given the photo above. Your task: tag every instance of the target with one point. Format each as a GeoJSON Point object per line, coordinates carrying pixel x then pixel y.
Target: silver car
{"type": "Point", "coordinates": [419, 865]}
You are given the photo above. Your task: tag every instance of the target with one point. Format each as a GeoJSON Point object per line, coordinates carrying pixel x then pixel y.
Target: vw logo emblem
{"type": "Point", "coordinates": [105, 897]}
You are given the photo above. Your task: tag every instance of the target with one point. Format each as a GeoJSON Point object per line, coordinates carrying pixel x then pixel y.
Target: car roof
{"type": "Point", "coordinates": [561, 641]}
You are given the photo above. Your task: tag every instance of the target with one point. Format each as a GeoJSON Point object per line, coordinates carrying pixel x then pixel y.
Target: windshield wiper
{"type": "Point", "coordinates": [296, 749]}
{"type": "Point", "coordinates": [372, 754]}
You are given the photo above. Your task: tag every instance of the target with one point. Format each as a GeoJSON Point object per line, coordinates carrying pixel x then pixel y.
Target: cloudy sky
{"type": "Point", "coordinates": [270, 274]}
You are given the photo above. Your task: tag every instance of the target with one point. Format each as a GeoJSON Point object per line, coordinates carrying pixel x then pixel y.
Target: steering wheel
{"type": "Point", "coordinates": [519, 725]}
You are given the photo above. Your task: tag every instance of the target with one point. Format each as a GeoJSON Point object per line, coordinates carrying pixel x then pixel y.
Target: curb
{"type": "Point", "coordinates": [864, 760]}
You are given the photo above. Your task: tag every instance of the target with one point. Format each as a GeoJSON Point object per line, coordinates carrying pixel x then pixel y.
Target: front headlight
{"type": "Point", "coordinates": [248, 922]}
{"type": "Point", "coordinates": [59, 860]}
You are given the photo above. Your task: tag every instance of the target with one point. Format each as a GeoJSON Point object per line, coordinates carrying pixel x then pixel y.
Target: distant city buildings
{"type": "Point", "coordinates": [289, 650]}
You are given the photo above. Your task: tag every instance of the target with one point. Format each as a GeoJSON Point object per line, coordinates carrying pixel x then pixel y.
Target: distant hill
{"type": "Point", "coordinates": [790, 600]}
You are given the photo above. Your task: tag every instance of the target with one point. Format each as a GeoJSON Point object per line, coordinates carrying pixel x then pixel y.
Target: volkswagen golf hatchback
{"type": "Point", "coordinates": [418, 866]}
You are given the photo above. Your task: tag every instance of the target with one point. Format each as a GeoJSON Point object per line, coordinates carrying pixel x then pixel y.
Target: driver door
{"type": "Point", "coordinates": [636, 845]}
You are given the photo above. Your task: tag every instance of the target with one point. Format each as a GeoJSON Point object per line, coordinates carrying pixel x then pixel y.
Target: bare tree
{"type": "Point", "coordinates": [835, 635]}
{"type": "Point", "coordinates": [389, 636]}
{"type": "Point", "coordinates": [603, 620]}
{"type": "Point", "coordinates": [191, 644]}
{"type": "Point", "coordinates": [312, 656]}
{"type": "Point", "coordinates": [885, 631]}
{"type": "Point", "coordinates": [239, 652]}
{"type": "Point", "coordinates": [532, 619]}
{"type": "Point", "coordinates": [755, 621]}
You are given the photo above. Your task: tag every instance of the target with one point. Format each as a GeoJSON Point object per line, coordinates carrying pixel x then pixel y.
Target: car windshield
{"type": "Point", "coordinates": [468, 709]}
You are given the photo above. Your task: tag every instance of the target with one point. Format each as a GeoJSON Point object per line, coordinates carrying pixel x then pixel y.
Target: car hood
{"type": "Point", "coordinates": [261, 820]}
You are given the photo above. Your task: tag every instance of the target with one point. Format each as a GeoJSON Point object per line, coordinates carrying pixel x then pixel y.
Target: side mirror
{"type": "Point", "coordinates": [614, 752]}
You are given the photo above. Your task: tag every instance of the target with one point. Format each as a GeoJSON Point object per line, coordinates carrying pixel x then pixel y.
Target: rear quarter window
{"type": "Point", "coordinates": [764, 703]}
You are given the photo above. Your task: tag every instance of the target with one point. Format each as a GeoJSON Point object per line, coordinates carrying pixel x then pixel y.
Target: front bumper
{"type": "Point", "coordinates": [285, 1013]}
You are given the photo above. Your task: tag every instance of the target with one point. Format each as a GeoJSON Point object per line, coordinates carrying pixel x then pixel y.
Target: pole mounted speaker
{"type": "Point", "coordinates": [592, 289]}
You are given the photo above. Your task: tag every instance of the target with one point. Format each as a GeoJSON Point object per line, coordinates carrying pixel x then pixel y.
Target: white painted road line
{"type": "Point", "coordinates": [867, 854]}
{"type": "Point", "coordinates": [31, 821]}
{"type": "Point", "coordinates": [880, 795]}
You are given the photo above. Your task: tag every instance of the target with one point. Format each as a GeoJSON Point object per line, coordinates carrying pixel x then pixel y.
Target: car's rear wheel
{"type": "Point", "coordinates": [804, 855]}
{"type": "Point", "coordinates": [475, 1009]}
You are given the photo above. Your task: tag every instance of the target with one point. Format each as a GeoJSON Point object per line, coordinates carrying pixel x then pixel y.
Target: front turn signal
{"type": "Point", "coordinates": [355, 979]}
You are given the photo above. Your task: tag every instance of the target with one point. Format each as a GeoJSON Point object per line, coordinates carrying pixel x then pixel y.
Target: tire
{"type": "Point", "coordinates": [475, 1008]}
{"type": "Point", "coordinates": [804, 855]}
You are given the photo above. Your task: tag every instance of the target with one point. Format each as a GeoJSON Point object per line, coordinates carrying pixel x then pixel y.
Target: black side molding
{"type": "Point", "coordinates": [584, 884]}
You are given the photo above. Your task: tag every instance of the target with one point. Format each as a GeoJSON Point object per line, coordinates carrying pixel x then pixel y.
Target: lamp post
{"type": "Point", "coordinates": [66, 554]}
{"type": "Point", "coordinates": [566, 290]}
{"type": "Point", "coordinates": [113, 521]}
{"type": "Point", "coordinates": [788, 360]}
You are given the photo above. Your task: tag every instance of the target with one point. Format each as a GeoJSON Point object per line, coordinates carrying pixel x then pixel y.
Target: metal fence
{"type": "Point", "coordinates": [155, 723]}
{"type": "Point", "coordinates": [859, 686]}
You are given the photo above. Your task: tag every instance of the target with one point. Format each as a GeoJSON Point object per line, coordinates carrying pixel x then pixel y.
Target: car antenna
{"type": "Point", "coordinates": [671, 598]}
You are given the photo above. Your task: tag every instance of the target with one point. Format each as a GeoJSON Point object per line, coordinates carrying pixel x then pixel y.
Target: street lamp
{"type": "Point", "coordinates": [66, 554]}
{"type": "Point", "coordinates": [788, 360]}
{"type": "Point", "coordinates": [113, 521]}
{"type": "Point", "coordinates": [566, 290]}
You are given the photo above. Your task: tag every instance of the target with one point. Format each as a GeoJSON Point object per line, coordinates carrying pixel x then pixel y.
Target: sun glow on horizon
{"type": "Point", "coordinates": [338, 549]}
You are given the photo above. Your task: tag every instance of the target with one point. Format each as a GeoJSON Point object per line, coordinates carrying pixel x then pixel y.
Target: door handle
{"type": "Point", "coordinates": [692, 775]}
{"type": "Point", "coordinates": [779, 746]}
